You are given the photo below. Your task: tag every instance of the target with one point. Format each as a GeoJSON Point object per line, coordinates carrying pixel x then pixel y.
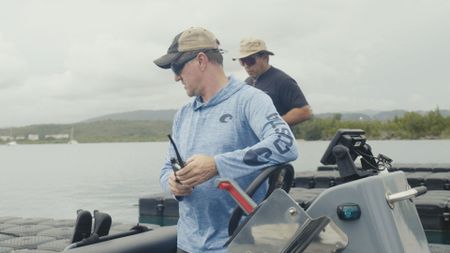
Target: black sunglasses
{"type": "Point", "coordinates": [250, 60]}
{"type": "Point", "coordinates": [177, 66]}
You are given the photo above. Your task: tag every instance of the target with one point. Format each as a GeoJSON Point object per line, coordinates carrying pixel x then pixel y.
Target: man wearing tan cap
{"type": "Point", "coordinates": [228, 130]}
{"type": "Point", "coordinates": [286, 95]}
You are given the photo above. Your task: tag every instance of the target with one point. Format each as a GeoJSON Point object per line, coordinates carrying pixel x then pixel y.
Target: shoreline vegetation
{"type": "Point", "coordinates": [410, 126]}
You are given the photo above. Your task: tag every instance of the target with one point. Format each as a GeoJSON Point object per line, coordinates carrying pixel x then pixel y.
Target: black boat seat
{"type": "Point", "coordinates": [83, 226]}
{"type": "Point", "coordinates": [434, 210]}
{"type": "Point", "coordinates": [438, 181]}
{"type": "Point", "coordinates": [417, 178]}
{"type": "Point", "coordinates": [102, 223]}
{"type": "Point", "coordinates": [161, 240]}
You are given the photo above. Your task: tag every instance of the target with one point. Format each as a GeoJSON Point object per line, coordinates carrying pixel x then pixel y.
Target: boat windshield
{"type": "Point", "coordinates": [279, 224]}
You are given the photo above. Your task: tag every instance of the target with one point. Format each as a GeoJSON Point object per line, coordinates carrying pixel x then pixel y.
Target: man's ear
{"type": "Point", "coordinates": [203, 60]}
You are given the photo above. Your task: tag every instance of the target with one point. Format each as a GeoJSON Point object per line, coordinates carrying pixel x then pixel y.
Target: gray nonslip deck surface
{"type": "Point", "coordinates": [41, 235]}
{"type": "Point", "coordinates": [47, 244]}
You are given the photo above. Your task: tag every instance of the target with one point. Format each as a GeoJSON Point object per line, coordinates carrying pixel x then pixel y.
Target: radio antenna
{"type": "Point", "coordinates": [180, 161]}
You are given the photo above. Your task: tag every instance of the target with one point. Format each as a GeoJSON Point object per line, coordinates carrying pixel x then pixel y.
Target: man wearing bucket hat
{"type": "Point", "coordinates": [229, 130]}
{"type": "Point", "coordinates": [286, 95]}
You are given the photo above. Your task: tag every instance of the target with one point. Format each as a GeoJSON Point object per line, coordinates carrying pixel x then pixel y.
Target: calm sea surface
{"type": "Point", "coordinates": [53, 181]}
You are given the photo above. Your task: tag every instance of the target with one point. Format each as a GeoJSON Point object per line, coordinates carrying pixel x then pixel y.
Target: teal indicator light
{"type": "Point", "coordinates": [349, 211]}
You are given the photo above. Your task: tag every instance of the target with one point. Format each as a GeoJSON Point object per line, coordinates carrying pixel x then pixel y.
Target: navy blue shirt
{"type": "Point", "coordinates": [282, 89]}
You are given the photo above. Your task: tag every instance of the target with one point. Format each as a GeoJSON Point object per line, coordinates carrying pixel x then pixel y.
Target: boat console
{"type": "Point", "coordinates": [371, 212]}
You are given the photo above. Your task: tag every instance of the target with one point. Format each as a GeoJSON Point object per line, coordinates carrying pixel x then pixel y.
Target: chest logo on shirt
{"type": "Point", "coordinates": [225, 118]}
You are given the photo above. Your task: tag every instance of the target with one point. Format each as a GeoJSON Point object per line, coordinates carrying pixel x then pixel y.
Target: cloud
{"type": "Point", "coordinates": [65, 61]}
{"type": "Point", "coordinates": [12, 66]}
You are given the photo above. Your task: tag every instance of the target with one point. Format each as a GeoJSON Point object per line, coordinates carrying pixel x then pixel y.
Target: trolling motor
{"type": "Point", "coordinates": [346, 146]}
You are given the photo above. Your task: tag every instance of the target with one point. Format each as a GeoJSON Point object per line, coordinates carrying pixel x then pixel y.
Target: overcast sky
{"type": "Point", "coordinates": [67, 61]}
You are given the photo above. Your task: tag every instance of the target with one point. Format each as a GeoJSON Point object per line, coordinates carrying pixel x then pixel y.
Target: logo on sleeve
{"type": "Point", "coordinates": [225, 118]}
{"type": "Point", "coordinates": [258, 156]}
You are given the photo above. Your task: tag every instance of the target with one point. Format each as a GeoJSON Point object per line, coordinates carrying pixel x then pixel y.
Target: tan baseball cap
{"type": "Point", "coordinates": [249, 46]}
{"type": "Point", "coordinates": [192, 39]}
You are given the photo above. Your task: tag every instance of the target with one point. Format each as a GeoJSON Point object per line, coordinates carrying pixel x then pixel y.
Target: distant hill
{"type": "Point", "coordinates": [151, 115]}
{"type": "Point", "coordinates": [154, 125]}
{"type": "Point", "coordinates": [167, 115]}
{"type": "Point", "coordinates": [96, 131]}
{"type": "Point", "coordinates": [389, 115]}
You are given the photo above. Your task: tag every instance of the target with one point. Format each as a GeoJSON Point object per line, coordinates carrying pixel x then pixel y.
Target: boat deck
{"type": "Point", "coordinates": [42, 235]}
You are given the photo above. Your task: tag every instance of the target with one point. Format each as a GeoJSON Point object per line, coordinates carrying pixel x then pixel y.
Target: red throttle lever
{"type": "Point", "coordinates": [244, 201]}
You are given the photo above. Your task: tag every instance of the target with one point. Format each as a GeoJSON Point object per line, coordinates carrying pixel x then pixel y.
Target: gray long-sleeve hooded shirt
{"type": "Point", "coordinates": [242, 130]}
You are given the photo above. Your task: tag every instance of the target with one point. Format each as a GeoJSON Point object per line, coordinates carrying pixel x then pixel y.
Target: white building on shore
{"type": "Point", "coordinates": [6, 138]}
{"type": "Point", "coordinates": [33, 137]}
{"type": "Point", "coordinates": [57, 136]}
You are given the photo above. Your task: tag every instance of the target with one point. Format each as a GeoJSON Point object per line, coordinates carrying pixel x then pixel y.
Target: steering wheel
{"type": "Point", "coordinates": [280, 176]}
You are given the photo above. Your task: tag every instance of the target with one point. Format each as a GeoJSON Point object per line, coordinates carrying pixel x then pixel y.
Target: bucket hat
{"type": "Point", "coordinates": [250, 46]}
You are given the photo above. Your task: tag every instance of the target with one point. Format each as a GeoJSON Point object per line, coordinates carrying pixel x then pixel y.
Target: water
{"type": "Point", "coordinates": [53, 181]}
